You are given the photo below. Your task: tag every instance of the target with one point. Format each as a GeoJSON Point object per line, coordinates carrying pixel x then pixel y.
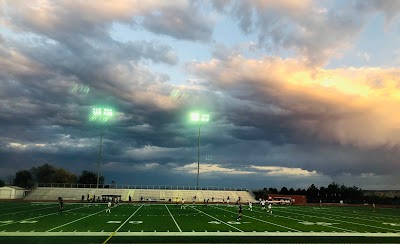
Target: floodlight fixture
{"type": "Point", "coordinates": [102, 115]}
{"type": "Point", "coordinates": [200, 118]}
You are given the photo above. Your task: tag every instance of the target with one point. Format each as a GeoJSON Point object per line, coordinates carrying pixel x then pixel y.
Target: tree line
{"type": "Point", "coordinates": [49, 174]}
{"type": "Point", "coordinates": [333, 193]}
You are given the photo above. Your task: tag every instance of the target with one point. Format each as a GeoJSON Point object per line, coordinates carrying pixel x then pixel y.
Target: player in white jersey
{"type": "Point", "coordinates": [269, 208]}
{"type": "Point", "coordinates": [182, 205]}
{"type": "Point", "coordinates": [251, 206]}
{"type": "Point", "coordinates": [108, 210]}
{"type": "Point", "coordinates": [262, 204]}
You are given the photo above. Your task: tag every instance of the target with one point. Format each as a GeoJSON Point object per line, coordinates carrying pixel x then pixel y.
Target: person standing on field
{"type": "Point", "coordinates": [61, 202]}
{"type": "Point", "coordinates": [240, 213]}
{"type": "Point", "coordinates": [108, 210]}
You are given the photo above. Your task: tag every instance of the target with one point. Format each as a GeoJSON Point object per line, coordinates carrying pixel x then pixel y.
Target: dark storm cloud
{"type": "Point", "coordinates": [295, 125]}
{"type": "Point", "coordinates": [257, 119]}
{"type": "Point", "coordinates": [43, 119]}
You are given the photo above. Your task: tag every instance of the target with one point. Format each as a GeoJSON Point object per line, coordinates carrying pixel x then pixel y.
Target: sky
{"type": "Point", "coordinates": [298, 92]}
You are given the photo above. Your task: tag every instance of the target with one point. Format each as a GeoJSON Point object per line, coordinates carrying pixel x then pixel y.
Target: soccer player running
{"type": "Point", "coordinates": [240, 213]}
{"type": "Point", "coordinates": [269, 208]}
{"type": "Point", "coordinates": [251, 206]}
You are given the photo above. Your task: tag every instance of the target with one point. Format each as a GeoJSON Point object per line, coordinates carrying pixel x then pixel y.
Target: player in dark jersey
{"type": "Point", "coordinates": [240, 213]}
{"type": "Point", "coordinates": [61, 202]}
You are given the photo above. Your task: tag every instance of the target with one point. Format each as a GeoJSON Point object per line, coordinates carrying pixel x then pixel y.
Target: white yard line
{"type": "Point", "coordinates": [217, 219]}
{"type": "Point", "coordinates": [75, 220]}
{"type": "Point", "coordinates": [40, 216]}
{"type": "Point", "coordinates": [329, 226]}
{"type": "Point", "coordinates": [179, 228]}
{"type": "Point", "coordinates": [259, 220]}
{"type": "Point", "coordinates": [310, 215]}
{"type": "Point", "coordinates": [122, 225]}
{"type": "Point", "coordinates": [151, 233]}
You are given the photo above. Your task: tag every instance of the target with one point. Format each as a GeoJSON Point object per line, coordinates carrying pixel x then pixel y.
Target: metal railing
{"type": "Point", "coordinates": [148, 187]}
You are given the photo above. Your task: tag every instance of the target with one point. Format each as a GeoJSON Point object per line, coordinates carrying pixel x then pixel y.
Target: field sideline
{"type": "Point", "coordinates": [89, 223]}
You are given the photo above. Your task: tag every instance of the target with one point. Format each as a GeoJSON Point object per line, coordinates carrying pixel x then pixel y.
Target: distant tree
{"type": "Point", "coordinates": [333, 191]}
{"type": "Point", "coordinates": [2, 183]}
{"type": "Point", "coordinates": [23, 178]}
{"type": "Point", "coordinates": [323, 193]}
{"type": "Point", "coordinates": [49, 174]}
{"type": "Point", "coordinates": [284, 191]}
{"type": "Point", "coordinates": [312, 193]}
{"type": "Point", "coordinates": [63, 176]}
{"type": "Point", "coordinates": [44, 173]}
{"type": "Point", "coordinates": [88, 177]}
{"type": "Point", "coordinates": [10, 179]}
{"type": "Point", "coordinates": [272, 190]}
{"type": "Point", "coordinates": [291, 191]}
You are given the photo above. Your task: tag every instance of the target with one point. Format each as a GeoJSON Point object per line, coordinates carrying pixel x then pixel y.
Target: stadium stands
{"type": "Point", "coordinates": [162, 195]}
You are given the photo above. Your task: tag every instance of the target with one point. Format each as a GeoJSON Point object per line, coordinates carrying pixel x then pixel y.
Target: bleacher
{"type": "Point", "coordinates": [51, 193]}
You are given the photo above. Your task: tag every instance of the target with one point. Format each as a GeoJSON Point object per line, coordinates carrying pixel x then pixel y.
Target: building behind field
{"type": "Point", "coordinates": [12, 192]}
{"type": "Point", "coordinates": [294, 199]}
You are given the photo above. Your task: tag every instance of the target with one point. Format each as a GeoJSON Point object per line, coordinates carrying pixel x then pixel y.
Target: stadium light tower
{"type": "Point", "coordinates": [199, 118]}
{"type": "Point", "coordinates": [102, 115]}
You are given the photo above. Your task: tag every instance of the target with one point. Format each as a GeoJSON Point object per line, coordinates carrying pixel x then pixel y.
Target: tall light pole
{"type": "Point", "coordinates": [102, 115]}
{"type": "Point", "coordinates": [199, 118]}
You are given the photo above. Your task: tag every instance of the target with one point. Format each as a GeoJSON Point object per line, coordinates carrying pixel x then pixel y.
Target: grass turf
{"type": "Point", "coordinates": [89, 223]}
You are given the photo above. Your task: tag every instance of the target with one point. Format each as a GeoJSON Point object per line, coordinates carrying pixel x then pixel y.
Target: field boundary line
{"type": "Point", "coordinates": [217, 219]}
{"type": "Point", "coordinates": [189, 233]}
{"type": "Point", "coordinates": [259, 220]}
{"type": "Point", "coordinates": [329, 226]}
{"type": "Point", "coordinates": [344, 221]}
{"type": "Point", "coordinates": [122, 225]}
{"type": "Point", "coordinates": [173, 218]}
{"type": "Point", "coordinates": [41, 216]}
{"type": "Point", "coordinates": [75, 220]}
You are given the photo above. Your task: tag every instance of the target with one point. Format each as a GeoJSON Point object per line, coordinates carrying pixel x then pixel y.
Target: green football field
{"type": "Point", "coordinates": [24, 222]}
